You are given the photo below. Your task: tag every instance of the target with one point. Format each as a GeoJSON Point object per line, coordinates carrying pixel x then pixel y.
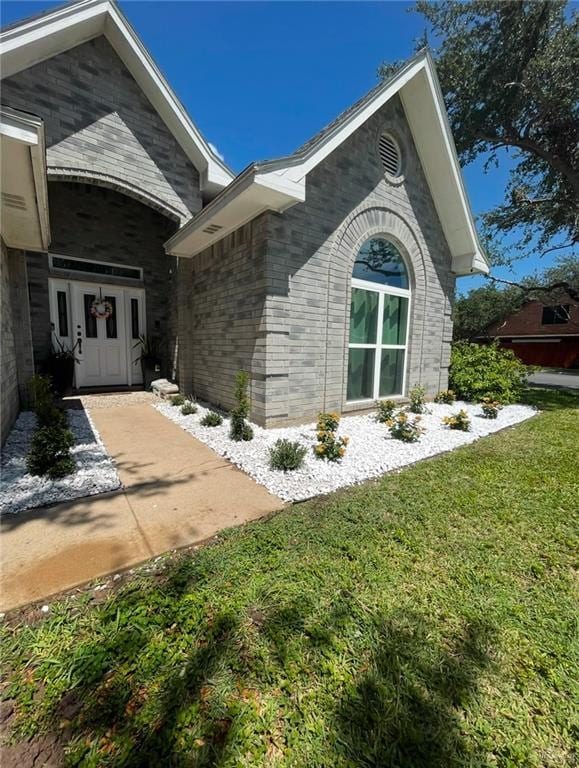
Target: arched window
{"type": "Point", "coordinates": [378, 322]}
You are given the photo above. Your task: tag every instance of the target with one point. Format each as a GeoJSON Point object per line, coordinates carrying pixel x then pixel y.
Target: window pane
{"type": "Point", "coordinates": [134, 318]}
{"type": "Point", "coordinates": [380, 262]}
{"type": "Point", "coordinates": [391, 372]}
{"type": "Point", "coordinates": [360, 374]}
{"type": "Point", "coordinates": [62, 313]}
{"type": "Point", "coordinates": [111, 320]}
{"type": "Point", "coordinates": [90, 267]}
{"type": "Point", "coordinates": [90, 322]}
{"type": "Point", "coordinates": [363, 317]}
{"type": "Point", "coordinates": [394, 320]}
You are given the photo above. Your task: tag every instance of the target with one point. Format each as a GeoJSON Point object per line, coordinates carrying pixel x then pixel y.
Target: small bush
{"type": "Point", "coordinates": [490, 407]}
{"type": "Point", "coordinates": [486, 370]}
{"type": "Point", "coordinates": [458, 421]}
{"type": "Point", "coordinates": [287, 455]}
{"type": "Point", "coordinates": [445, 396]}
{"type": "Point", "coordinates": [416, 396]}
{"type": "Point", "coordinates": [50, 452]}
{"type": "Point", "coordinates": [329, 447]}
{"type": "Point", "coordinates": [403, 428]}
{"type": "Point", "coordinates": [188, 409]}
{"type": "Point", "coordinates": [47, 412]}
{"type": "Point", "coordinates": [211, 419]}
{"type": "Point", "coordinates": [177, 400]}
{"type": "Point", "coordinates": [240, 429]}
{"type": "Point", "coordinates": [385, 410]}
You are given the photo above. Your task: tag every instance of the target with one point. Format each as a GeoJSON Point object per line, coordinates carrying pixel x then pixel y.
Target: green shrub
{"type": "Point", "coordinates": [445, 396]}
{"type": "Point", "coordinates": [385, 410]}
{"type": "Point", "coordinates": [188, 409]}
{"type": "Point", "coordinates": [329, 446]}
{"type": "Point", "coordinates": [416, 396]}
{"type": "Point", "coordinates": [50, 452]}
{"type": "Point", "coordinates": [240, 429]}
{"type": "Point", "coordinates": [458, 421]}
{"type": "Point", "coordinates": [177, 400]}
{"type": "Point", "coordinates": [486, 370]}
{"type": "Point", "coordinates": [287, 455]}
{"type": "Point", "coordinates": [43, 402]}
{"type": "Point", "coordinates": [490, 407]}
{"type": "Point", "coordinates": [211, 419]}
{"type": "Point", "coordinates": [403, 428]}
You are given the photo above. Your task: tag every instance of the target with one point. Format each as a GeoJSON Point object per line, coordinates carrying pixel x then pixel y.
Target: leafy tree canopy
{"type": "Point", "coordinates": [509, 72]}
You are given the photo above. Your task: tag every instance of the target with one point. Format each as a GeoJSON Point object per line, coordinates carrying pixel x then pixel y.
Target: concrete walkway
{"type": "Point", "coordinates": [177, 492]}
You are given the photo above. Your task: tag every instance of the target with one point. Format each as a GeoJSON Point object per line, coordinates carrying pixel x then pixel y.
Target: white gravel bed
{"type": "Point", "coordinates": [371, 450]}
{"type": "Point", "coordinates": [19, 490]}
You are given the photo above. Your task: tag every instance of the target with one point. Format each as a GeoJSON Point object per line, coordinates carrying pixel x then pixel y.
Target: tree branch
{"type": "Point", "coordinates": [563, 285]}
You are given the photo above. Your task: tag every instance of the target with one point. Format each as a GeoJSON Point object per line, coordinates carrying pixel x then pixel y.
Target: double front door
{"type": "Point", "coordinates": [103, 323]}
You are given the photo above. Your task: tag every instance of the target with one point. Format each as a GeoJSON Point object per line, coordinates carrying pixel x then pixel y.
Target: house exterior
{"type": "Point", "coordinates": [541, 334]}
{"type": "Point", "coordinates": [328, 275]}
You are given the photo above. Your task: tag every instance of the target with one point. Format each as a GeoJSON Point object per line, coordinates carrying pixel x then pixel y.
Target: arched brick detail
{"type": "Point", "coordinates": [117, 184]}
{"type": "Point", "coordinates": [363, 223]}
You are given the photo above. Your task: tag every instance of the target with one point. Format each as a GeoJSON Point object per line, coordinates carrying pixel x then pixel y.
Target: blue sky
{"type": "Point", "coordinates": [260, 78]}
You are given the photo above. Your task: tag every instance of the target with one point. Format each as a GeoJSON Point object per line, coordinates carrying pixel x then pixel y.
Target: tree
{"type": "Point", "coordinates": [509, 72]}
{"type": "Point", "coordinates": [490, 304]}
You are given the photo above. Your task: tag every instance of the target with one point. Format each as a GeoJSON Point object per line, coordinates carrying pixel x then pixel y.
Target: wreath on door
{"type": "Point", "coordinates": [101, 309]}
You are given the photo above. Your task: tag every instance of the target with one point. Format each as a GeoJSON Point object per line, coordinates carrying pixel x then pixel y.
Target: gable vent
{"type": "Point", "coordinates": [13, 201]}
{"type": "Point", "coordinates": [390, 155]}
{"type": "Point", "coordinates": [212, 229]}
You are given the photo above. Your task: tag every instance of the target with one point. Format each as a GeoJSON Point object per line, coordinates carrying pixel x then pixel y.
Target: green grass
{"type": "Point", "coordinates": [428, 619]}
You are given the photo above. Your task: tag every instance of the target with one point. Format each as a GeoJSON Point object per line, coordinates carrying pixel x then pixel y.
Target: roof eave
{"type": "Point", "coordinates": [40, 38]}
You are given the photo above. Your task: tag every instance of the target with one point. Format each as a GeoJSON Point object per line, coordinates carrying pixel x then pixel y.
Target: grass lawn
{"type": "Point", "coordinates": [427, 619]}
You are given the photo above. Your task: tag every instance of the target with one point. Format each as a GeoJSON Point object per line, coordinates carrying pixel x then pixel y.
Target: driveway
{"type": "Point", "coordinates": [555, 378]}
{"type": "Point", "coordinates": [177, 491]}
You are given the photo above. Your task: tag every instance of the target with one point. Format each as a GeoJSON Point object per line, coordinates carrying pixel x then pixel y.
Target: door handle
{"type": "Point", "coordinates": [79, 342]}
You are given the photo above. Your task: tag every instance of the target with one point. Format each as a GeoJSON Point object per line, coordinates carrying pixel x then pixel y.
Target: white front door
{"type": "Point", "coordinates": [106, 348]}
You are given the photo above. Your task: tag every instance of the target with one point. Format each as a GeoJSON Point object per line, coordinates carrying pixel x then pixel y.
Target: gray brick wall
{"type": "Point", "coordinates": [96, 223]}
{"type": "Point", "coordinates": [16, 365]}
{"type": "Point", "coordinates": [311, 251]}
{"type": "Point", "coordinates": [294, 337]}
{"type": "Point", "coordinates": [99, 124]}
{"type": "Point", "coordinates": [221, 301]}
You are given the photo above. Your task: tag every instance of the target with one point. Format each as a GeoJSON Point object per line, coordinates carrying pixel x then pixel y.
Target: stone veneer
{"type": "Point", "coordinates": [278, 290]}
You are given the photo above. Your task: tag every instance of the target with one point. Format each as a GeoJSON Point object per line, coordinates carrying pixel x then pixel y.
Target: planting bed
{"type": "Point", "coordinates": [371, 450]}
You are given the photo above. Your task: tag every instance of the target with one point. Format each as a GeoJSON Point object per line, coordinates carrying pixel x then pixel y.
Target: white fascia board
{"type": "Point", "coordinates": [250, 195]}
{"type": "Point", "coordinates": [24, 161]}
{"type": "Point", "coordinates": [39, 39]}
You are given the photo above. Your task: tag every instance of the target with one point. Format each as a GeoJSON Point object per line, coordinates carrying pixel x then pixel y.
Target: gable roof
{"type": "Point", "coordinates": [278, 184]}
{"type": "Point", "coordinates": [41, 37]}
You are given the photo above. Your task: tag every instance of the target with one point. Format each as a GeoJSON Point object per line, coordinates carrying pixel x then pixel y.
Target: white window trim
{"type": "Point", "coordinates": [63, 270]}
{"type": "Point", "coordinates": [382, 290]}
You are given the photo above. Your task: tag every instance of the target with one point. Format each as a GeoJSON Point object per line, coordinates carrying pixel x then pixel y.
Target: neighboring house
{"type": "Point", "coordinates": [328, 275]}
{"type": "Point", "coordinates": [541, 334]}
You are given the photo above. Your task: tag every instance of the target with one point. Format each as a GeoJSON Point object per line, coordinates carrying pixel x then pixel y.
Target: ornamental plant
{"type": "Point", "coordinates": [176, 400]}
{"type": "Point", "coordinates": [458, 421]}
{"type": "Point", "coordinates": [445, 396]}
{"type": "Point", "coordinates": [385, 410]}
{"type": "Point", "coordinates": [211, 419]}
{"type": "Point", "coordinates": [329, 445]}
{"type": "Point", "coordinates": [416, 396]}
{"type": "Point", "coordinates": [490, 407]}
{"type": "Point", "coordinates": [188, 408]}
{"type": "Point", "coordinates": [486, 370]}
{"type": "Point", "coordinates": [240, 429]}
{"type": "Point", "coordinates": [402, 427]}
{"type": "Point", "coordinates": [287, 455]}
{"type": "Point", "coordinates": [49, 452]}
